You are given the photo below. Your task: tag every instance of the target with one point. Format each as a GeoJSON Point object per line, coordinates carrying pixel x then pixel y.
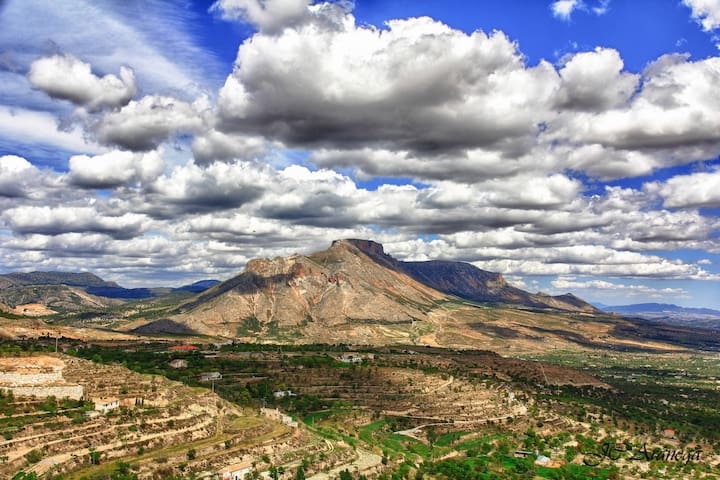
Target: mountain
{"type": "Point", "coordinates": [353, 287]}
{"type": "Point", "coordinates": [146, 293]}
{"type": "Point", "coordinates": [73, 292]}
{"type": "Point", "coordinates": [197, 287]}
{"type": "Point", "coordinates": [35, 300]}
{"type": "Point", "coordinates": [325, 289]}
{"type": "Point", "coordinates": [352, 293]}
{"type": "Point", "coordinates": [469, 282]}
{"type": "Point", "coordinates": [84, 279]}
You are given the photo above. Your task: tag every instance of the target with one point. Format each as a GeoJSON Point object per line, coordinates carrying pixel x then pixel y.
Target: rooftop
{"type": "Point", "coordinates": [235, 467]}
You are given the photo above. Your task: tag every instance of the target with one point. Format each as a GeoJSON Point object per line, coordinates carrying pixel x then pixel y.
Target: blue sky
{"type": "Point", "coordinates": [570, 145]}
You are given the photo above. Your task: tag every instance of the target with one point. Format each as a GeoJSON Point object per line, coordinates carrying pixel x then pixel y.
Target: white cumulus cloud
{"type": "Point", "coordinates": [707, 12]}
{"type": "Point", "coordinates": [114, 169]}
{"type": "Point", "coordinates": [68, 78]}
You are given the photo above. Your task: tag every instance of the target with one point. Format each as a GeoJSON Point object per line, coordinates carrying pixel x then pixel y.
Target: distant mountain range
{"type": "Point", "coordinates": [70, 292]}
{"type": "Point", "coordinates": [668, 313]}
{"type": "Point", "coordinates": [143, 293]}
{"type": "Point", "coordinates": [657, 308]}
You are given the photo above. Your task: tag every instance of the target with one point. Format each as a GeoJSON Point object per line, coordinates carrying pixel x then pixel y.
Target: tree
{"type": "Point", "coordinates": [33, 456]}
{"type": "Point", "coordinates": [274, 472]}
{"type": "Point", "coordinates": [25, 476]}
{"type": "Point", "coordinates": [94, 457]}
{"type": "Point", "coordinates": [300, 473]}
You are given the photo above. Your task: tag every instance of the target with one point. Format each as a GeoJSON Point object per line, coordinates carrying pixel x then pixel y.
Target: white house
{"type": "Point", "coordinates": [278, 416]}
{"type": "Point", "coordinates": [236, 471]}
{"type": "Point", "coordinates": [105, 405]}
{"type": "Point", "coordinates": [284, 393]}
{"type": "Point", "coordinates": [210, 376]}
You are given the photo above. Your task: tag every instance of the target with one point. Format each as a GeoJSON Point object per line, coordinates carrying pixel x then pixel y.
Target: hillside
{"type": "Point", "coordinates": [163, 427]}
{"type": "Point", "coordinates": [35, 300]}
{"type": "Point", "coordinates": [47, 293]}
{"type": "Point", "coordinates": [469, 282]}
{"type": "Point", "coordinates": [84, 279]}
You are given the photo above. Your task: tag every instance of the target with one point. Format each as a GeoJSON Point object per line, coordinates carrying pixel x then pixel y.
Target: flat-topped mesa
{"type": "Point", "coordinates": [367, 246]}
{"type": "Point", "coordinates": [372, 249]}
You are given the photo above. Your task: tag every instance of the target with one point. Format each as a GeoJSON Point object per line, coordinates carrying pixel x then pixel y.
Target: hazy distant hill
{"type": "Point", "coordinates": [198, 287]}
{"type": "Point", "coordinates": [662, 308]}
{"type": "Point", "coordinates": [121, 293]}
{"type": "Point", "coordinates": [145, 293]}
{"type": "Point", "coordinates": [669, 313]}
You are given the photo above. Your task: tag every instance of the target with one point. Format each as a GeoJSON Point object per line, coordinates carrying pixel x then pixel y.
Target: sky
{"type": "Point", "coordinates": [571, 145]}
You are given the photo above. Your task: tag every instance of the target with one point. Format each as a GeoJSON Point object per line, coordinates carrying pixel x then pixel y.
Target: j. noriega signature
{"type": "Point", "coordinates": [612, 451]}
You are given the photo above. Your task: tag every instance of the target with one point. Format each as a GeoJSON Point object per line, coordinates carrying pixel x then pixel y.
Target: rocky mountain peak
{"type": "Point", "coordinates": [372, 249]}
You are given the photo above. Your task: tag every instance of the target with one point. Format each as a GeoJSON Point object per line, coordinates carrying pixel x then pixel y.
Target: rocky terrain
{"type": "Point", "coordinates": [84, 279]}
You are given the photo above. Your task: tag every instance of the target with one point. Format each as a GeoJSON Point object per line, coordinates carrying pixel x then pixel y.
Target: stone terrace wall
{"type": "Point", "coordinates": [17, 378]}
{"type": "Point", "coordinates": [39, 376]}
{"type": "Point", "coordinates": [74, 392]}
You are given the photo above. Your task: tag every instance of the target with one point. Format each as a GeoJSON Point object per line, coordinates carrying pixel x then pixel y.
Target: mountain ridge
{"type": "Point", "coordinates": [71, 279]}
{"type": "Point", "coordinates": [467, 281]}
{"type": "Point", "coordinates": [659, 308]}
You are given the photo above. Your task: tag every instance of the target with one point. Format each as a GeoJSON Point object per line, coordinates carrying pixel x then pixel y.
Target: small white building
{"type": "Point", "coordinates": [179, 363]}
{"type": "Point", "coordinates": [105, 405]}
{"type": "Point", "coordinates": [236, 471]}
{"type": "Point", "coordinates": [284, 393]}
{"type": "Point", "coordinates": [210, 376]}
{"type": "Point", "coordinates": [355, 357]}
{"type": "Point", "coordinates": [278, 416]}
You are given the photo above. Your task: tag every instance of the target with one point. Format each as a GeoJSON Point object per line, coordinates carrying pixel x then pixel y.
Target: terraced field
{"type": "Point", "coordinates": [162, 427]}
